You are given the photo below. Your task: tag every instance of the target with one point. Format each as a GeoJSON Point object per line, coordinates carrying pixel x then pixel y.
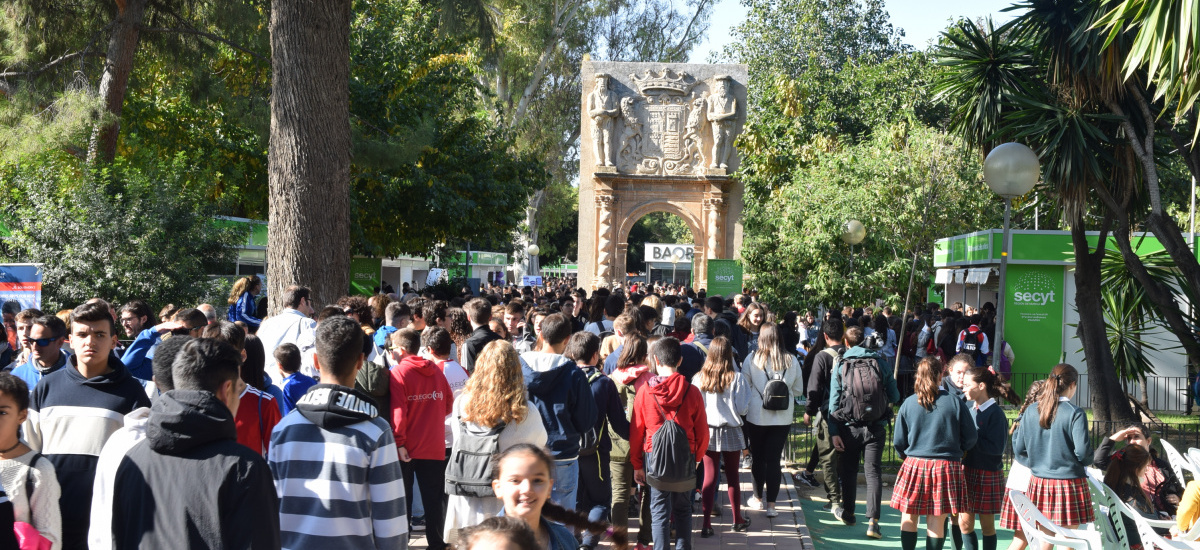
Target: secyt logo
{"type": "Point", "coordinates": [724, 273]}
{"type": "Point", "coordinates": [1033, 289]}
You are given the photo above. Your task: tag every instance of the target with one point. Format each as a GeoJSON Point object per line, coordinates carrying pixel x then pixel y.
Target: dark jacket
{"type": "Point", "coordinates": [608, 405]}
{"type": "Point", "coordinates": [474, 345]}
{"type": "Point", "coordinates": [737, 337]}
{"type": "Point", "coordinates": [1170, 484]}
{"type": "Point", "coordinates": [190, 484]}
{"type": "Point", "coordinates": [561, 394]}
{"type": "Point", "coordinates": [817, 385]}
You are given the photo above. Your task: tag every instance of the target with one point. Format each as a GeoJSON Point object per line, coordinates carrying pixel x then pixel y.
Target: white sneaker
{"type": "Point", "coordinates": [754, 503]}
{"type": "Point", "coordinates": [772, 512]}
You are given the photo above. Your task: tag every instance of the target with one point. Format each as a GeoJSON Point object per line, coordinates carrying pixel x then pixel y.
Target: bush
{"type": "Point", "coordinates": [119, 233]}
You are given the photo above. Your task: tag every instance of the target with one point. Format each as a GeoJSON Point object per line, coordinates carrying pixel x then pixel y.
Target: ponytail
{"type": "Point", "coordinates": [927, 381]}
{"type": "Point", "coordinates": [995, 388]}
{"type": "Point", "coordinates": [1061, 378]}
{"type": "Point", "coordinates": [1031, 396]}
{"type": "Point", "coordinates": [580, 521]}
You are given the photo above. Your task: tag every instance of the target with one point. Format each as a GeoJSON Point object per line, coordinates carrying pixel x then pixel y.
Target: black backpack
{"type": "Point", "coordinates": [670, 464]}
{"type": "Point", "coordinates": [469, 470]}
{"type": "Point", "coordinates": [864, 399]}
{"type": "Point", "coordinates": [972, 343]}
{"type": "Point", "coordinates": [589, 442]}
{"type": "Point", "coordinates": [776, 395]}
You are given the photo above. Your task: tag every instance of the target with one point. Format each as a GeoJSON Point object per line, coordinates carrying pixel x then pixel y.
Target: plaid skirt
{"type": "Point", "coordinates": [929, 487]}
{"type": "Point", "coordinates": [1063, 501]}
{"type": "Point", "coordinates": [1008, 515]}
{"type": "Point", "coordinates": [725, 438]}
{"type": "Point", "coordinates": [985, 491]}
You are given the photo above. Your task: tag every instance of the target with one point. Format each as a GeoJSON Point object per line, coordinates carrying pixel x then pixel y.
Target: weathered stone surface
{"type": "Point", "coordinates": [658, 138]}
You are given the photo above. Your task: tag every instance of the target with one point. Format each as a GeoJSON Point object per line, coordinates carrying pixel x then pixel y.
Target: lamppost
{"type": "Point", "coordinates": [853, 233]}
{"type": "Point", "coordinates": [1011, 170]}
{"type": "Point", "coordinates": [674, 266]}
{"type": "Point", "coordinates": [532, 250]}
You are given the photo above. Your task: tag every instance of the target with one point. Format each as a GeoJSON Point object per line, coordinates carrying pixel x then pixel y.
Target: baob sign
{"type": "Point", "coordinates": [664, 252]}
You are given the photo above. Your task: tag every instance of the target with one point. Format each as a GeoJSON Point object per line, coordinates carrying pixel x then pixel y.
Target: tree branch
{"type": "Point", "coordinates": [58, 61]}
{"type": "Point", "coordinates": [208, 35]}
{"type": "Point", "coordinates": [683, 40]}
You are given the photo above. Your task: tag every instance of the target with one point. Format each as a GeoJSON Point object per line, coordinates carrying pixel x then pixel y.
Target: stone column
{"type": "Point", "coordinates": [714, 208]}
{"type": "Point", "coordinates": [604, 241]}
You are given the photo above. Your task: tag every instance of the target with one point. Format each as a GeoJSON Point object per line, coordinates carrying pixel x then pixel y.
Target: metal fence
{"type": "Point", "coordinates": [1171, 394]}
{"type": "Point", "coordinates": [1182, 436]}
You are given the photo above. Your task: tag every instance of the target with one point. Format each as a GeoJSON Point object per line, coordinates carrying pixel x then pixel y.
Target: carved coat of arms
{"type": "Point", "coordinates": [662, 129]}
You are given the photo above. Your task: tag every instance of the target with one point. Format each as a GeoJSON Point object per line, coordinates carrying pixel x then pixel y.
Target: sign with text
{"type": "Point", "coordinates": [21, 283]}
{"type": "Point", "coordinates": [1033, 315]}
{"type": "Point", "coordinates": [365, 275]}
{"type": "Point", "coordinates": [531, 280]}
{"type": "Point", "coordinates": [724, 277]}
{"type": "Point", "coordinates": [664, 252]}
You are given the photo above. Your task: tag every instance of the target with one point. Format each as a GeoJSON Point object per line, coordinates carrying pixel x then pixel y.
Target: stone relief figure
{"type": "Point", "coordinates": [692, 132]}
{"type": "Point", "coordinates": [631, 137]}
{"type": "Point", "coordinates": [722, 113]}
{"type": "Point", "coordinates": [603, 109]}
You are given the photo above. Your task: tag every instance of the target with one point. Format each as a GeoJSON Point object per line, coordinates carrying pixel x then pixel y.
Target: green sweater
{"type": "Point", "coordinates": [944, 432]}
{"type": "Point", "coordinates": [1061, 452]}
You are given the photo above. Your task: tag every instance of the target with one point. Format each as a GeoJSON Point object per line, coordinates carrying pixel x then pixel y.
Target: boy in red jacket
{"type": "Point", "coordinates": [421, 401]}
{"type": "Point", "coordinates": [670, 393]}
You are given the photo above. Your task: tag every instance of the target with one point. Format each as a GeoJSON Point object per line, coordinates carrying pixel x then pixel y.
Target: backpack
{"type": "Point", "coordinates": [972, 343]}
{"type": "Point", "coordinates": [776, 395]}
{"type": "Point", "coordinates": [469, 470]}
{"type": "Point", "coordinates": [864, 399]}
{"type": "Point", "coordinates": [1004, 366]}
{"type": "Point", "coordinates": [670, 464]}
{"type": "Point", "coordinates": [589, 442]}
{"type": "Point", "coordinates": [699, 346]}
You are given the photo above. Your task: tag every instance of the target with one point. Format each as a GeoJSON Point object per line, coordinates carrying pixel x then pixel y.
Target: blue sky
{"type": "Point", "coordinates": [921, 20]}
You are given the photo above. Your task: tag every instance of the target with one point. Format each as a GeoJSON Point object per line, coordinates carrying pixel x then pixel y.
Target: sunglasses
{"type": "Point", "coordinates": [41, 342]}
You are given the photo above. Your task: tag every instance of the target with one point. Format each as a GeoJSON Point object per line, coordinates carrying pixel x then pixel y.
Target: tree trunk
{"type": "Point", "coordinates": [309, 152]}
{"type": "Point", "coordinates": [1108, 399]}
{"type": "Point", "coordinates": [114, 83]}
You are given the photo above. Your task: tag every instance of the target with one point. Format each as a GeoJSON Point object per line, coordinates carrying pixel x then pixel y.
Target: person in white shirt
{"type": "Point", "coordinates": [437, 343]}
{"type": "Point", "coordinates": [293, 325]}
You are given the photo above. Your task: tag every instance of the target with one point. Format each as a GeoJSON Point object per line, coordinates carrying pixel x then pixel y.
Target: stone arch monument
{"type": "Point", "coordinates": [658, 138]}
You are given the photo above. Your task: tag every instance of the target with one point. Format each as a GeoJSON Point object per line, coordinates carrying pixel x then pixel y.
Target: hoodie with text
{"type": "Point", "coordinates": [421, 400]}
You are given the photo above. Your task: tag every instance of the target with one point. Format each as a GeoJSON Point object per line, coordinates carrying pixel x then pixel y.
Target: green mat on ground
{"type": "Point", "coordinates": [828, 532]}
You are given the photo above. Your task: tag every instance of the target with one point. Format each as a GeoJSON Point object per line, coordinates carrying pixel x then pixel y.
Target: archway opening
{"type": "Point", "coordinates": [661, 250]}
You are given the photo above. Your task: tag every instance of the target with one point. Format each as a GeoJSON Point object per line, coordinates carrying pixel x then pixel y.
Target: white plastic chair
{"type": "Point", "coordinates": [1178, 462]}
{"type": "Point", "coordinates": [1111, 528]}
{"type": "Point", "coordinates": [1040, 530]}
{"type": "Point", "coordinates": [1193, 456]}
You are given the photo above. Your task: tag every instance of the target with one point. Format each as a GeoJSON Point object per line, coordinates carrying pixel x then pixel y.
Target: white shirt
{"type": "Point", "coordinates": [289, 327]}
{"type": "Point", "coordinates": [456, 375]}
{"type": "Point", "coordinates": [100, 536]}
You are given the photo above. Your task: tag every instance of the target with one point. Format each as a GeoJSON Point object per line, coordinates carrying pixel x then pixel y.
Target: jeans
{"type": "Point", "coordinates": [595, 492]}
{"type": "Point", "coordinates": [864, 442]}
{"type": "Point", "coordinates": [566, 483]}
{"type": "Point", "coordinates": [732, 481]}
{"type": "Point", "coordinates": [622, 477]}
{"type": "Point", "coordinates": [668, 506]}
{"type": "Point", "coordinates": [431, 476]}
{"type": "Point", "coordinates": [766, 459]}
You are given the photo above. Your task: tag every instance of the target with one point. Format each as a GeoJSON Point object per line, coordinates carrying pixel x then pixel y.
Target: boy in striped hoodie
{"type": "Point", "coordinates": [358, 501]}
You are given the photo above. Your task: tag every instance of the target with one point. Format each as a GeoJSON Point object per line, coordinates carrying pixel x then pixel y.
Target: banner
{"type": "Point", "coordinates": [21, 283]}
{"type": "Point", "coordinates": [656, 252]}
{"type": "Point", "coordinates": [1033, 316]}
{"type": "Point", "coordinates": [531, 280]}
{"type": "Point", "coordinates": [365, 275]}
{"type": "Point", "coordinates": [724, 278]}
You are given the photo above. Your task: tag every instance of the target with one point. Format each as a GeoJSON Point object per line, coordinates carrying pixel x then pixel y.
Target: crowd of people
{"type": "Point", "coordinates": [544, 417]}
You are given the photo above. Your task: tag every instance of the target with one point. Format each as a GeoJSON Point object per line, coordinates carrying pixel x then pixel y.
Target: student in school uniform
{"type": "Point", "coordinates": [983, 467]}
{"type": "Point", "coordinates": [933, 430]}
{"type": "Point", "coordinates": [1018, 474]}
{"type": "Point", "coordinates": [956, 373]}
{"type": "Point", "coordinates": [1053, 441]}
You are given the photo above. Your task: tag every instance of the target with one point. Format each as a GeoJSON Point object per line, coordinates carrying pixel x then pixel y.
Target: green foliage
{"type": "Point", "coordinates": [119, 233]}
{"type": "Point", "coordinates": [429, 168]}
{"type": "Point", "coordinates": [1129, 314]}
{"type": "Point", "coordinates": [907, 186]}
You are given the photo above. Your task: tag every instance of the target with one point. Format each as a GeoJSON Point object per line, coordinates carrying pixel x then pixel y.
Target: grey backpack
{"type": "Point", "coordinates": [469, 470]}
{"type": "Point", "coordinates": [670, 464]}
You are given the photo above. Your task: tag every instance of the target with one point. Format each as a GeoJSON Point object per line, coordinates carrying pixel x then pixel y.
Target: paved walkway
{"type": "Point", "coordinates": [783, 532]}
